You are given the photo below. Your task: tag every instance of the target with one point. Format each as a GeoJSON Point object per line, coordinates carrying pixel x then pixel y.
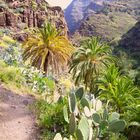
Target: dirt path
{"type": "Point", "coordinates": [16, 121]}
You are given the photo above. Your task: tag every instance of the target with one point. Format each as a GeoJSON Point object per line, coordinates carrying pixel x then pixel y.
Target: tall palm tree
{"type": "Point", "coordinates": [89, 61]}
{"type": "Point", "coordinates": [47, 49]}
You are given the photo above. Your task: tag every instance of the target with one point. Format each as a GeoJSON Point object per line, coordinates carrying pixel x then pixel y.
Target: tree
{"type": "Point", "coordinates": [47, 49]}
{"type": "Point", "coordinates": [89, 61]}
{"type": "Point", "coordinates": [118, 90]}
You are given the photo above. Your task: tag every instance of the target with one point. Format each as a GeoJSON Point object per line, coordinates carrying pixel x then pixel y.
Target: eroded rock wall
{"type": "Point", "coordinates": [21, 14]}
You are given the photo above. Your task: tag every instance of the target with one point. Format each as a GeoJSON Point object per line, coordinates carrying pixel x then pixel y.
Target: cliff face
{"type": "Point", "coordinates": [21, 14]}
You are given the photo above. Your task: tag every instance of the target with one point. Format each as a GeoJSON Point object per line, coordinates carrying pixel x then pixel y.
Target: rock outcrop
{"type": "Point", "coordinates": [21, 14]}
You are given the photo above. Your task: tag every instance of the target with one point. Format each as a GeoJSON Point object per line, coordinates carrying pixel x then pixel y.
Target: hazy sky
{"type": "Point", "coordinates": [62, 3]}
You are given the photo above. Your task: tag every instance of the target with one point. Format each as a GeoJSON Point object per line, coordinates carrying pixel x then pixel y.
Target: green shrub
{"type": "Point", "coordinates": [50, 118]}
{"type": "Point", "coordinates": [11, 54]}
{"type": "Point", "coordinates": [10, 74]}
{"type": "Point", "coordinates": [37, 81]}
{"type": "Point", "coordinates": [19, 10]}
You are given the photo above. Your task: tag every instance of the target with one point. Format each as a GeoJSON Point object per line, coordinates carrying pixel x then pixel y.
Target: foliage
{"type": "Point", "coordinates": [10, 74]}
{"type": "Point", "coordinates": [88, 120]}
{"type": "Point", "coordinates": [118, 90]}
{"type": "Point", "coordinates": [89, 61]}
{"type": "Point", "coordinates": [78, 116]}
{"type": "Point", "coordinates": [47, 49]}
{"type": "Point", "coordinates": [4, 31]}
{"type": "Point", "coordinates": [19, 10]}
{"type": "Point", "coordinates": [34, 79]}
{"type": "Point", "coordinates": [11, 52]}
{"type": "Point", "coordinates": [37, 81]}
{"type": "Point", "coordinates": [132, 117]}
{"type": "Point", "coordinates": [50, 118]}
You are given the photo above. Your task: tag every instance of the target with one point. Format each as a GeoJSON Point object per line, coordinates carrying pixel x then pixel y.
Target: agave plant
{"type": "Point", "coordinates": [89, 61]}
{"type": "Point", "coordinates": [46, 48]}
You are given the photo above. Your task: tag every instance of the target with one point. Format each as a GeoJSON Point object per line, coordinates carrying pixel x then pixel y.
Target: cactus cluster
{"type": "Point", "coordinates": [87, 120]}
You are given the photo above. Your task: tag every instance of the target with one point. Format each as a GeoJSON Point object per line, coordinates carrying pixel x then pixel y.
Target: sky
{"type": "Point", "coordinates": [62, 3]}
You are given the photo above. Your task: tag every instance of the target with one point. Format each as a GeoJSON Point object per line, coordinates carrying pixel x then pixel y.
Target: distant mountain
{"type": "Point", "coordinates": [113, 19]}
{"type": "Point", "coordinates": [79, 9]}
{"type": "Point", "coordinates": [109, 27]}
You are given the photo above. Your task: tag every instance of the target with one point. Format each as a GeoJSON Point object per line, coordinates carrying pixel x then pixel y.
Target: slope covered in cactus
{"type": "Point", "coordinates": [90, 120]}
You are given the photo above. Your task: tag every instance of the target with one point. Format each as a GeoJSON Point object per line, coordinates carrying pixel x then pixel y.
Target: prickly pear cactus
{"type": "Point", "coordinates": [58, 137]}
{"type": "Point", "coordinates": [65, 114]}
{"type": "Point", "coordinates": [117, 126]}
{"type": "Point", "coordinates": [72, 124]}
{"type": "Point", "coordinates": [96, 118]}
{"type": "Point", "coordinates": [72, 102]}
{"type": "Point", "coordinates": [114, 116]}
{"type": "Point", "coordinates": [79, 135]}
{"type": "Point", "coordinates": [85, 102]}
{"type": "Point", "coordinates": [79, 93]}
{"type": "Point", "coordinates": [84, 128]}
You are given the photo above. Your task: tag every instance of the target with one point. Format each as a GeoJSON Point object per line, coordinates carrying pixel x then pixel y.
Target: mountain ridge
{"type": "Point", "coordinates": [79, 9]}
{"type": "Point", "coordinates": [114, 19]}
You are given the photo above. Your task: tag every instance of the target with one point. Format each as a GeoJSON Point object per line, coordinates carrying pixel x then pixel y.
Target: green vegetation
{"type": "Point", "coordinates": [89, 61]}
{"type": "Point", "coordinates": [88, 119]}
{"type": "Point", "coordinates": [50, 118]}
{"type": "Point", "coordinates": [98, 99]}
{"type": "Point", "coordinates": [47, 49]}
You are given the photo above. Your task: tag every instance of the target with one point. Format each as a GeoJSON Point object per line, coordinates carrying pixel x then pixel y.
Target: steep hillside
{"type": "Point", "coordinates": [79, 9]}
{"type": "Point", "coordinates": [111, 22]}
{"type": "Point", "coordinates": [109, 27]}
{"type": "Point", "coordinates": [131, 7]}
{"type": "Point", "coordinates": [19, 15]}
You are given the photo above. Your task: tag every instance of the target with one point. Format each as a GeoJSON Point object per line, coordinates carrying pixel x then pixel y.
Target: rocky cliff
{"type": "Point", "coordinates": [21, 14]}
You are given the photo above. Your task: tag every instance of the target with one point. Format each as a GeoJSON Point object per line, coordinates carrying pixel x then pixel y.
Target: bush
{"type": "Point", "coordinates": [37, 81]}
{"type": "Point", "coordinates": [10, 74]}
{"type": "Point", "coordinates": [11, 54]}
{"type": "Point", "coordinates": [50, 118]}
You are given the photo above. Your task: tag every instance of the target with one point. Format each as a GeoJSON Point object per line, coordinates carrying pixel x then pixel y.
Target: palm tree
{"type": "Point", "coordinates": [110, 76]}
{"type": "Point", "coordinates": [47, 49]}
{"type": "Point", "coordinates": [118, 89]}
{"type": "Point", "coordinates": [89, 61]}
